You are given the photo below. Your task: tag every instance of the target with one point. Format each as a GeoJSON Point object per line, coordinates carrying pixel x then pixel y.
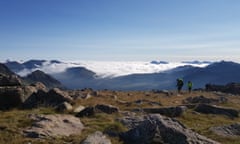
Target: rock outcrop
{"type": "Point", "coordinates": [155, 128]}
{"type": "Point", "coordinates": [64, 107]}
{"type": "Point", "coordinates": [9, 80]}
{"type": "Point", "coordinates": [204, 100]}
{"type": "Point", "coordinates": [51, 98]}
{"type": "Point", "coordinates": [210, 109]}
{"type": "Point", "coordinates": [167, 111]}
{"type": "Point", "coordinates": [233, 88]}
{"type": "Point", "coordinates": [96, 138]}
{"type": "Point", "coordinates": [109, 109]}
{"type": "Point", "coordinates": [89, 111]}
{"type": "Point", "coordinates": [48, 126]}
{"type": "Point", "coordinates": [15, 96]}
{"type": "Point", "coordinates": [232, 130]}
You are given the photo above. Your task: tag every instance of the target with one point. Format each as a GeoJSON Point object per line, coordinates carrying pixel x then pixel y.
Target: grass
{"type": "Point", "coordinates": [11, 122]}
{"type": "Point", "coordinates": [201, 123]}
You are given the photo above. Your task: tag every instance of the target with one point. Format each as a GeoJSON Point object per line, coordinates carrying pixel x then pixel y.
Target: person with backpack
{"type": "Point", "coordinates": [179, 84]}
{"type": "Point", "coordinates": [190, 86]}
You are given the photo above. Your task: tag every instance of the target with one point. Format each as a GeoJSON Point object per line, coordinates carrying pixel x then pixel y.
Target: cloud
{"type": "Point", "coordinates": [108, 68]}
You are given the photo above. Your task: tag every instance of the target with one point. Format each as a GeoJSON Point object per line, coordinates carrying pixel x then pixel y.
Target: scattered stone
{"type": "Point", "coordinates": [63, 107]}
{"type": "Point", "coordinates": [88, 111]}
{"type": "Point", "coordinates": [87, 96]}
{"type": "Point", "coordinates": [210, 109]}
{"type": "Point", "coordinates": [78, 109]}
{"type": "Point", "coordinates": [204, 100]}
{"type": "Point", "coordinates": [96, 138]}
{"type": "Point", "coordinates": [109, 109]}
{"type": "Point", "coordinates": [114, 97]}
{"type": "Point", "coordinates": [155, 128]}
{"type": "Point", "coordinates": [167, 111]}
{"type": "Point", "coordinates": [232, 130]}
{"type": "Point", "coordinates": [48, 126]}
{"type": "Point", "coordinates": [166, 92]}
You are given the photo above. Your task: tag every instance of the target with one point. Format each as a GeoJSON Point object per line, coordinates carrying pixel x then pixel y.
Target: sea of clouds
{"type": "Point", "coordinates": [105, 69]}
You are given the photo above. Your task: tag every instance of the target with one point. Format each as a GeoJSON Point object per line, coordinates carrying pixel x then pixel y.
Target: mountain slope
{"type": "Point", "coordinates": [77, 77]}
{"type": "Point", "coordinates": [47, 80]}
{"type": "Point", "coordinates": [5, 70]}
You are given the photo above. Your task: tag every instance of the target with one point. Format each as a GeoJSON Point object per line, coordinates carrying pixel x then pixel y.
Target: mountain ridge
{"type": "Point", "coordinates": [218, 73]}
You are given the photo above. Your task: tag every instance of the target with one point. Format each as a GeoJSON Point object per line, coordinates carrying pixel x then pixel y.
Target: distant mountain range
{"type": "Point", "coordinates": [80, 77]}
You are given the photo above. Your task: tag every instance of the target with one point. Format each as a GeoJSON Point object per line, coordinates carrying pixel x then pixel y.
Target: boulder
{"type": "Point", "coordinates": [167, 111]}
{"type": "Point", "coordinates": [109, 109]}
{"type": "Point", "coordinates": [52, 98]}
{"type": "Point", "coordinates": [233, 88]}
{"type": "Point", "coordinates": [49, 126]}
{"type": "Point", "coordinates": [59, 95]}
{"type": "Point", "coordinates": [88, 111]}
{"type": "Point", "coordinates": [78, 109]}
{"type": "Point", "coordinates": [14, 96]}
{"type": "Point", "coordinates": [204, 100]}
{"type": "Point", "coordinates": [96, 138]}
{"type": "Point", "coordinates": [210, 109]}
{"type": "Point", "coordinates": [155, 128]}
{"type": "Point", "coordinates": [63, 107]}
{"type": "Point", "coordinates": [232, 130]}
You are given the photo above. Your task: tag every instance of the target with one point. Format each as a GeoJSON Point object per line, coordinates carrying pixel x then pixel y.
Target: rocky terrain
{"type": "Point", "coordinates": [35, 113]}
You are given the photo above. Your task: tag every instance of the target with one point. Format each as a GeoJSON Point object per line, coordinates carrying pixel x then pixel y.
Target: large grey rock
{"type": "Point", "coordinates": [109, 109]}
{"type": "Point", "coordinates": [155, 128]}
{"type": "Point", "coordinates": [52, 98]}
{"type": "Point", "coordinates": [204, 100]}
{"type": "Point", "coordinates": [88, 111]}
{"type": "Point", "coordinates": [167, 111]}
{"type": "Point", "coordinates": [233, 88]}
{"type": "Point", "coordinates": [210, 109]}
{"type": "Point", "coordinates": [78, 109]}
{"type": "Point", "coordinates": [64, 107]}
{"type": "Point", "coordinates": [14, 96]}
{"type": "Point", "coordinates": [96, 138]}
{"type": "Point", "coordinates": [47, 126]}
{"type": "Point", "coordinates": [232, 130]}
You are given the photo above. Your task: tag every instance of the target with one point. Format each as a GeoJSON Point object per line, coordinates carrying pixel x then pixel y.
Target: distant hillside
{"type": "Point", "coordinates": [80, 77]}
{"type": "Point", "coordinates": [47, 80]}
{"type": "Point", "coordinates": [5, 70]}
{"type": "Point", "coordinates": [218, 73]}
{"type": "Point", "coordinates": [31, 64]}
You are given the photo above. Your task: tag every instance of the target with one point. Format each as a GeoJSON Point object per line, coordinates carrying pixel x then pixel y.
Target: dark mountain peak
{"type": "Point", "coordinates": [196, 62]}
{"type": "Point", "coordinates": [223, 65]}
{"type": "Point", "coordinates": [38, 73]}
{"type": "Point", "coordinates": [33, 63]}
{"type": "Point", "coordinates": [159, 62]}
{"type": "Point", "coordinates": [80, 71]}
{"type": "Point", "coordinates": [39, 76]}
{"type": "Point", "coordinates": [55, 61]}
{"type": "Point", "coordinates": [14, 66]}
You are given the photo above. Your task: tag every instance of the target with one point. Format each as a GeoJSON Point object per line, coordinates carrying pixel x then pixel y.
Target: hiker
{"type": "Point", "coordinates": [179, 84]}
{"type": "Point", "coordinates": [190, 86]}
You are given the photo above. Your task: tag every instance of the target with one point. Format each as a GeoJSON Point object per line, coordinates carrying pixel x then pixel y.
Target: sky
{"type": "Point", "coordinates": [120, 30]}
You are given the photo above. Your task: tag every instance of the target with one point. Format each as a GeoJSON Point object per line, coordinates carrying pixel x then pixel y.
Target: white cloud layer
{"type": "Point", "coordinates": [109, 68]}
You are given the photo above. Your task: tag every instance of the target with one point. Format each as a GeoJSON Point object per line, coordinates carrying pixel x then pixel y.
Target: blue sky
{"type": "Point", "coordinates": [172, 30]}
